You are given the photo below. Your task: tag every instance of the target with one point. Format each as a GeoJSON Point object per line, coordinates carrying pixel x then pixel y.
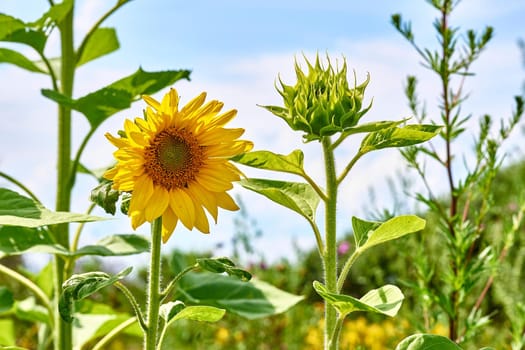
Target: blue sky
{"type": "Point", "coordinates": [235, 50]}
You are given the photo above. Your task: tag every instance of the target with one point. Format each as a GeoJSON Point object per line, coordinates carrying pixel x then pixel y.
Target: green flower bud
{"type": "Point", "coordinates": [321, 102]}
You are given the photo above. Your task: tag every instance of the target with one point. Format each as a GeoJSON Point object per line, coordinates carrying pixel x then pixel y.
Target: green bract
{"type": "Point", "coordinates": [321, 103]}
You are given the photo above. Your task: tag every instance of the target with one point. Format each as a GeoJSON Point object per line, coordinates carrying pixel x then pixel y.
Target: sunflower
{"type": "Point", "coordinates": [175, 163]}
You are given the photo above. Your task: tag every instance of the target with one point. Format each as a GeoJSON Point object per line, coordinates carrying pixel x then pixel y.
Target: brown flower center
{"type": "Point", "coordinates": [173, 158]}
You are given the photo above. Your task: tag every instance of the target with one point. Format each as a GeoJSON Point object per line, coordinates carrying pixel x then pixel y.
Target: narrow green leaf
{"type": "Point", "coordinates": [116, 245]}
{"type": "Point", "coordinates": [299, 197]}
{"type": "Point", "coordinates": [174, 311]}
{"type": "Point", "coordinates": [101, 104]}
{"type": "Point", "coordinates": [398, 137]}
{"type": "Point", "coordinates": [361, 230]}
{"type": "Point", "coordinates": [16, 58]}
{"type": "Point", "coordinates": [221, 265]}
{"type": "Point", "coordinates": [427, 342]}
{"type": "Point", "coordinates": [17, 210]}
{"type": "Point", "coordinates": [252, 300]}
{"type": "Point", "coordinates": [102, 42]}
{"type": "Point", "coordinates": [394, 228]}
{"type": "Point", "coordinates": [6, 299]}
{"type": "Point", "coordinates": [80, 286]}
{"type": "Point", "coordinates": [372, 127]}
{"type": "Point", "coordinates": [385, 300]}
{"type": "Point", "coordinates": [16, 240]}
{"type": "Point", "coordinates": [292, 163]}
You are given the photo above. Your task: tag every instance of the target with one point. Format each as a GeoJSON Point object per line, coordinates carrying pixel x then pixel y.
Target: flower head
{"type": "Point", "coordinates": [175, 162]}
{"type": "Point", "coordinates": [321, 103]}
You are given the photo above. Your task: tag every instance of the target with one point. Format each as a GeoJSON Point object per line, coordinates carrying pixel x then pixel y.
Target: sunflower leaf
{"type": "Point", "coordinates": [116, 245]}
{"type": "Point", "coordinates": [398, 137]}
{"type": "Point", "coordinates": [105, 196]}
{"type": "Point", "coordinates": [7, 299]}
{"type": "Point", "coordinates": [80, 286]}
{"type": "Point", "coordinates": [14, 30]}
{"type": "Point", "coordinates": [16, 58]}
{"type": "Point", "coordinates": [221, 265]}
{"type": "Point", "coordinates": [394, 228]}
{"type": "Point", "coordinates": [427, 342]}
{"type": "Point", "coordinates": [103, 103]}
{"type": "Point", "coordinates": [292, 163]}
{"type": "Point", "coordinates": [102, 42]}
{"type": "Point", "coordinates": [297, 196]}
{"type": "Point", "coordinates": [17, 210]}
{"type": "Point", "coordinates": [173, 311]}
{"type": "Point", "coordinates": [16, 240]}
{"type": "Point", "coordinates": [385, 300]}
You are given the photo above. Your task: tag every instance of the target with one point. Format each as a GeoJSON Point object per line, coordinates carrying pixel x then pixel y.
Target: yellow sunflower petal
{"type": "Point", "coordinates": [137, 218]}
{"type": "Point", "coordinates": [201, 221]}
{"type": "Point", "coordinates": [226, 202]}
{"type": "Point", "coordinates": [117, 141]}
{"type": "Point", "coordinates": [193, 105]}
{"type": "Point", "coordinates": [157, 204]}
{"type": "Point", "coordinates": [169, 222]}
{"type": "Point", "coordinates": [151, 101]}
{"type": "Point", "coordinates": [182, 206]}
{"type": "Point", "coordinates": [207, 199]}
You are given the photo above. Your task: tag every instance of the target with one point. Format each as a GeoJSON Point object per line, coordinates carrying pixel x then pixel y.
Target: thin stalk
{"type": "Point", "coordinates": [314, 185]}
{"type": "Point", "coordinates": [348, 167]}
{"type": "Point", "coordinates": [346, 268]}
{"type": "Point", "coordinates": [21, 185]}
{"type": "Point", "coordinates": [334, 340]}
{"type": "Point", "coordinates": [76, 162]}
{"type": "Point", "coordinates": [136, 308]}
{"type": "Point", "coordinates": [318, 239]}
{"type": "Point", "coordinates": [40, 295]}
{"type": "Point", "coordinates": [164, 294]}
{"type": "Point", "coordinates": [150, 339]}
{"type": "Point", "coordinates": [113, 333]}
{"type": "Point", "coordinates": [330, 254]}
{"type": "Point", "coordinates": [63, 339]}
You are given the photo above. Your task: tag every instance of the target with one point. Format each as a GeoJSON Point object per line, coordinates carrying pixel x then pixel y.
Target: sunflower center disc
{"type": "Point", "coordinates": [174, 153]}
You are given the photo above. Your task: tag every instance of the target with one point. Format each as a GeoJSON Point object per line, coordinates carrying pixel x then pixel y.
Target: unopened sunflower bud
{"type": "Point", "coordinates": [321, 103]}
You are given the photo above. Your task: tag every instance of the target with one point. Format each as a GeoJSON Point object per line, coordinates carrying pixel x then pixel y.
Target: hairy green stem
{"type": "Point", "coordinates": [334, 339]}
{"type": "Point", "coordinates": [150, 341]}
{"type": "Point", "coordinates": [346, 268]}
{"type": "Point", "coordinates": [330, 252]}
{"type": "Point", "coordinates": [63, 339]}
{"type": "Point", "coordinates": [164, 294]}
{"type": "Point", "coordinates": [136, 308]}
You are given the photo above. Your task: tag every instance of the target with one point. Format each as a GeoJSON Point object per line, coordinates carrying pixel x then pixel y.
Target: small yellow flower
{"type": "Point", "coordinates": [222, 335]}
{"type": "Point", "coordinates": [176, 162]}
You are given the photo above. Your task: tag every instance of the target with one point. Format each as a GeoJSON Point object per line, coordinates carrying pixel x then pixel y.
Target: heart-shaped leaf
{"type": "Point", "coordinates": [102, 42]}
{"type": "Point", "coordinates": [174, 311]}
{"type": "Point", "coordinates": [361, 230]}
{"type": "Point", "coordinates": [300, 197]}
{"type": "Point", "coordinates": [385, 300]}
{"type": "Point", "coordinates": [394, 228]}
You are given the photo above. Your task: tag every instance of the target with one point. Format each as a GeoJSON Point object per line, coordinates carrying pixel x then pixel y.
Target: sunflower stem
{"type": "Point", "coordinates": [330, 252]}
{"type": "Point", "coordinates": [63, 340]}
{"type": "Point", "coordinates": [150, 338]}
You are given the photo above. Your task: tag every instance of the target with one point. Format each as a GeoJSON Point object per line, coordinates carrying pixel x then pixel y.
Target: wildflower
{"type": "Point", "coordinates": [176, 162]}
{"type": "Point", "coordinates": [343, 248]}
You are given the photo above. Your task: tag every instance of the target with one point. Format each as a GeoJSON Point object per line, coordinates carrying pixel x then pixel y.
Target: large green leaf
{"type": "Point", "coordinates": [394, 228]}
{"type": "Point", "coordinates": [116, 245]}
{"type": "Point", "coordinates": [292, 163]}
{"type": "Point", "coordinates": [14, 30]}
{"type": "Point", "coordinates": [398, 137]}
{"type": "Point", "coordinates": [80, 286]}
{"type": "Point", "coordinates": [300, 197]}
{"type": "Point", "coordinates": [385, 300]}
{"type": "Point", "coordinates": [101, 104]}
{"type": "Point", "coordinates": [252, 300]}
{"type": "Point", "coordinates": [16, 58]}
{"type": "Point", "coordinates": [427, 342]}
{"type": "Point", "coordinates": [102, 42]}
{"type": "Point", "coordinates": [17, 210]}
{"type": "Point", "coordinates": [6, 299]}
{"type": "Point", "coordinates": [15, 240]}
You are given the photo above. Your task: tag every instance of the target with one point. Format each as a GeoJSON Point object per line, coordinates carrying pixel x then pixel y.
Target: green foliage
{"type": "Point", "coordinates": [427, 342]}
{"type": "Point", "coordinates": [101, 42]}
{"type": "Point", "coordinates": [103, 103]}
{"type": "Point", "coordinates": [78, 287]}
{"type": "Point", "coordinates": [17, 210]}
{"type": "Point", "coordinates": [299, 197]}
{"type": "Point", "coordinates": [384, 300]}
{"type": "Point", "coordinates": [6, 299]}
